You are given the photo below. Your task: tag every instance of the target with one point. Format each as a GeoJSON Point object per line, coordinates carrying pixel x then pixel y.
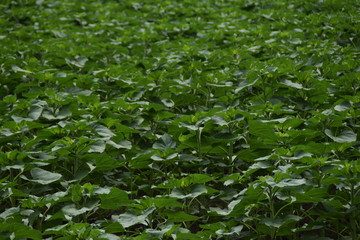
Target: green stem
{"type": "Point", "coordinates": [198, 136]}
{"type": "Point", "coordinates": [353, 224]}
{"type": "Point", "coordinates": [271, 195]}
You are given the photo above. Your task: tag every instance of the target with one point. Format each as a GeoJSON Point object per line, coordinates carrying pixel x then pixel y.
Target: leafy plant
{"type": "Point", "coordinates": [179, 119]}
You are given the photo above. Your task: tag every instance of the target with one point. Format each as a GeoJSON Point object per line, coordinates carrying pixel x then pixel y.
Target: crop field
{"type": "Point", "coordinates": [180, 119]}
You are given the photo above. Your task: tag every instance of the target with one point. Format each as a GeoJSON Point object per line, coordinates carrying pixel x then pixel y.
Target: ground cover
{"type": "Point", "coordinates": [185, 119]}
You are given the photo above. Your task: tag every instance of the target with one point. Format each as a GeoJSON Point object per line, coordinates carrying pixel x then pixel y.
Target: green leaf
{"type": "Point", "coordinates": [35, 111]}
{"type": "Point", "coordinates": [293, 85]}
{"type": "Point", "coordinates": [103, 131]}
{"type": "Point", "coordinates": [245, 84]}
{"type": "Point", "coordinates": [165, 143]}
{"type": "Point", "coordinates": [346, 136]}
{"type": "Point", "coordinates": [161, 202]}
{"type": "Point", "coordinates": [71, 210]}
{"type": "Point", "coordinates": [196, 190]}
{"type": "Point", "coordinates": [108, 236]}
{"type": "Point", "coordinates": [21, 231]}
{"type": "Point", "coordinates": [97, 147]}
{"type": "Point", "coordinates": [262, 130]}
{"type": "Point", "coordinates": [278, 222]}
{"type": "Point", "coordinates": [103, 161]}
{"type": "Point", "coordinates": [17, 69]}
{"type": "Point", "coordinates": [179, 216]}
{"type": "Point", "coordinates": [129, 219]}
{"type": "Point", "coordinates": [8, 212]}
{"type": "Point", "coordinates": [219, 120]}
{"type": "Point", "coordinates": [122, 144]}
{"type": "Point", "coordinates": [344, 106]}
{"type": "Point", "coordinates": [115, 199]}
{"type": "Point", "coordinates": [234, 230]}
{"type": "Point", "coordinates": [311, 196]}
{"type": "Point", "coordinates": [291, 183]}
{"type": "Point", "coordinates": [78, 61]}
{"type": "Point", "coordinates": [44, 177]}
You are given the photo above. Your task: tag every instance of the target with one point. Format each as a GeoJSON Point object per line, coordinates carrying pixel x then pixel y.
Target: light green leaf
{"type": "Point", "coordinates": [8, 212]}
{"type": "Point", "coordinates": [44, 177]}
{"type": "Point", "coordinates": [244, 84]}
{"type": "Point", "coordinates": [71, 210]}
{"type": "Point", "coordinates": [35, 111]}
{"type": "Point", "coordinates": [291, 183]}
{"type": "Point", "coordinates": [188, 126]}
{"type": "Point", "coordinates": [129, 219]}
{"type": "Point", "coordinates": [17, 69]}
{"type": "Point", "coordinates": [196, 190]}
{"type": "Point", "coordinates": [278, 222]}
{"type": "Point", "coordinates": [165, 143]}
{"type": "Point", "coordinates": [293, 85]}
{"type": "Point", "coordinates": [104, 131]}
{"type": "Point", "coordinates": [79, 61]}
{"type": "Point", "coordinates": [219, 120]}
{"type": "Point", "coordinates": [234, 230]}
{"type": "Point", "coordinates": [122, 144]}
{"type": "Point", "coordinates": [346, 136]}
{"type": "Point", "coordinates": [343, 106]}
{"type": "Point", "coordinates": [108, 236]}
{"type": "Point", "coordinates": [98, 147]}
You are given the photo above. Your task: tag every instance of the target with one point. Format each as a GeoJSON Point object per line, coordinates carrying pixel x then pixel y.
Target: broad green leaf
{"type": "Point", "coordinates": [298, 155]}
{"type": "Point", "coordinates": [165, 229]}
{"type": "Point", "coordinates": [234, 230]}
{"type": "Point", "coordinates": [122, 144]}
{"type": "Point", "coordinates": [35, 112]}
{"type": "Point", "coordinates": [230, 208]}
{"type": "Point", "coordinates": [196, 190]}
{"type": "Point", "coordinates": [71, 210]}
{"type": "Point", "coordinates": [179, 216]}
{"type": "Point", "coordinates": [256, 166]}
{"type": "Point", "coordinates": [293, 85]}
{"type": "Point", "coordinates": [103, 131]}
{"type": "Point", "coordinates": [189, 126]}
{"type": "Point", "coordinates": [18, 69]}
{"type": "Point", "coordinates": [195, 178]}
{"type": "Point", "coordinates": [21, 231]}
{"type": "Point", "coordinates": [346, 136]}
{"type": "Point", "coordinates": [44, 177]}
{"type": "Point", "coordinates": [115, 199]}
{"type": "Point", "coordinates": [278, 222]}
{"type": "Point", "coordinates": [165, 143]}
{"type": "Point", "coordinates": [129, 219]}
{"type": "Point", "coordinates": [103, 161]}
{"type": "Point", "coordinates": [312, 195]}
{"type": "Point", "coordinates": [161, 202]}
{"type": "Point", "coordinates": [344, 106]}
{"type": "Point", "coordinates": [291, 183]}
{"type": "Point", "coordinates": [219, 120]}
{"type": "Point", "coordinates": [78, 61]}
{"type": "Point", "coordinates": [263, 130]}
{"type": "Point", "coordinates": [108, 236]}
{"type": "Point", "coordinates": [244, 84]}
{"type": "Point", "coordinates": [97, 147]}
{"type": "Point", "coordinates": [8, 212]}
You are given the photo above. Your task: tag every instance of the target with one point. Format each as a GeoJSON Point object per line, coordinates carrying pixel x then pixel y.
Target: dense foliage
{"type": "Point", "coordinates": [207, 119]}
